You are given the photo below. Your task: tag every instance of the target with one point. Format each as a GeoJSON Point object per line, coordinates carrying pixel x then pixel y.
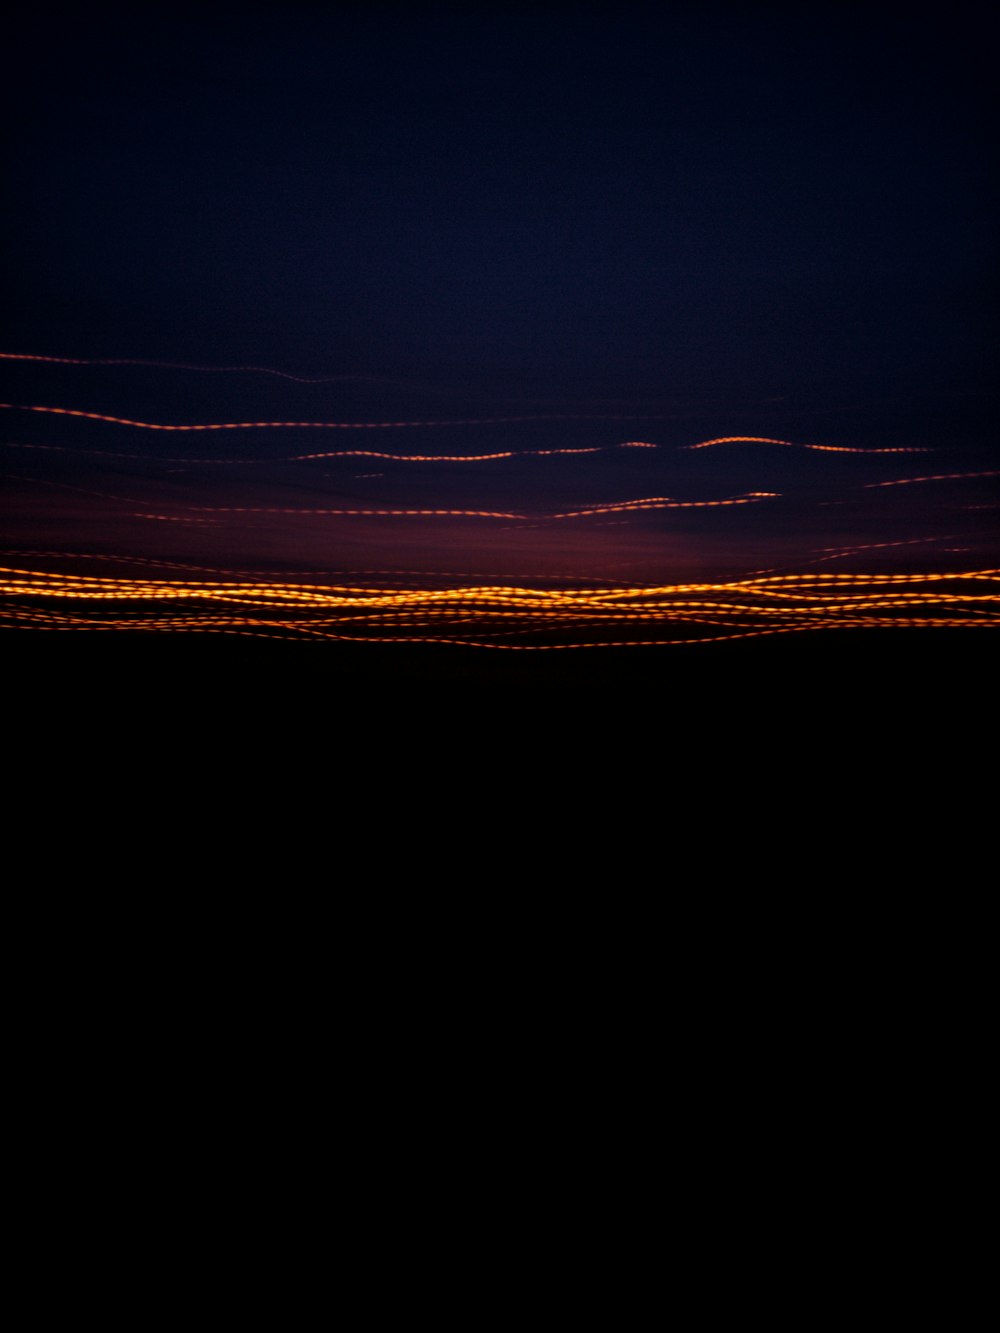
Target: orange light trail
{"type": "Point", "coordinates": [497, 616]}
{"type": "Point", "coordinates": [444, 422]}
{"type": "Point", "coordinates": [942, 476]}
{"type": "Point", "coordinates": [791, 444]}
{"type": "Point", "coordinates": [325, 425]}
{"type": "Point", "coordinates": [621, 507]}
{"type": "Point", "coordinates": [333, 453]}
{"type": "Point", "coordinates": [451, 458]}
{"type": "Point", "coordinates": [840, 552]}
{"type": "Point", "coordinates": [640, 505]}
{"type": "Point", "coordinates": [336, 453]}
{"type": "Point", "coordinates": [547, 589]}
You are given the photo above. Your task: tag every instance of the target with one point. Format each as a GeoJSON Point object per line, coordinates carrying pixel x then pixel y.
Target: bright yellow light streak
{"type": "Point", "coordinates": [510, 617]}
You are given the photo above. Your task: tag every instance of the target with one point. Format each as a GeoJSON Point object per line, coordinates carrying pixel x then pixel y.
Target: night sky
{"type": "Point", "coordinates": [552, 228]}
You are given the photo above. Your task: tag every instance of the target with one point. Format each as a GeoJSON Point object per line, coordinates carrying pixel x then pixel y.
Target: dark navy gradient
{"type": "Point", "coordinates": [655, 224]}
{"type": "Point", "coordinates": [706, 200]}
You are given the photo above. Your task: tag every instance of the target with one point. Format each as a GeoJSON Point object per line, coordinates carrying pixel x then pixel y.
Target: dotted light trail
{"type": "Point", "coordinates": [621, 507]}
{"type": "Point", "coordinates": [304, 546]}
{"type": "Point", "coordinates": [791, 444]}
{"type": "Point", "coordinates": [512, 618]}
{"type": "Point", "coordinates": [942, 476]}
{"type": "Point", "coordinates": [437, 424]}
{"type": "Point", "coordinates": [325, 425]}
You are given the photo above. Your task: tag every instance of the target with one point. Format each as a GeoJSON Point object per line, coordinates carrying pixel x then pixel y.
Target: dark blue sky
{"type": "Point", "coordinates": [611, 299]}
{"type": "Point", "coordinates": [559, 200]}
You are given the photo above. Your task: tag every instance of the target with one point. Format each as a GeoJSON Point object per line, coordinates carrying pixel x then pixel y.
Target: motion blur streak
{"type": "Point", "coordinates": [943, 476]}
{"type": "Point", "coordinates": [791, 444]}
{"type": "Point", "coordinates": [334, 453]}
{"type": "Point", "coordinates": [566, 531]}
{"type": "Point", "coordinates": [436, 424]}
{"type": "Point", "coordinates": [622, 507]}
{"type": "Point", "coordinates": [329, 425]}
{"type": "Point", "coordinates": [173, 365]}
{"type": "Point", "coordinates": [502, 617]}
{"type": "Point", "coordinates": [446, 458]}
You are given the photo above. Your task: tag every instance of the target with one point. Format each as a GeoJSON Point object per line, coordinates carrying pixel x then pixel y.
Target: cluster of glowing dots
{"type": "Point", "coordinates": [499, 616]}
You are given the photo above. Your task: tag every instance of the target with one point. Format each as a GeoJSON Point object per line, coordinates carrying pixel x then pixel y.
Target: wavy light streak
{"type": "Point", "coordinates": [619, 507]}
{"type": "Point", "coordinates": [228, 531]}
{"type": "Point", "coordinates": [941, 476]}
{"type": "Point", "coordinates": [326, 425]}
{"type": "Point", "coordinates": [512, 618]}
{"type": "Point", "coordinates": [792, 444]}
{"type": "Point", "coordinates": [451, 421]}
